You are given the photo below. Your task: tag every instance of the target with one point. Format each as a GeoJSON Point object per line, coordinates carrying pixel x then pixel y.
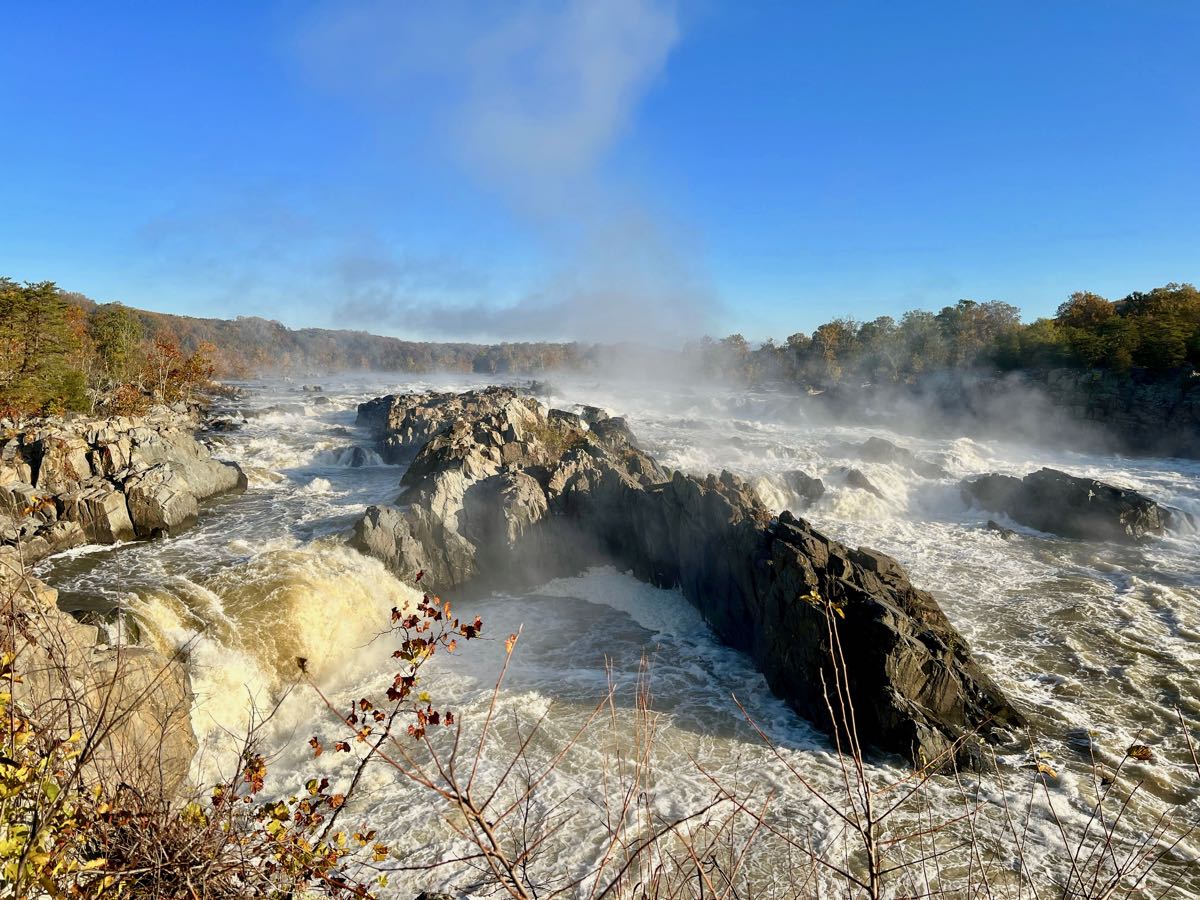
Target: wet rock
{"type": "Point", "coordinates": [1007, 533]}
{"type": "Point", "coordinates": [804, 486]}
{"type": "Point", "coordinates": [1067, 505]}
{"type": "Point", "coordinates": [356, 457]}
{"type": "Point", "coordinates": [856, 479]}
{"type": "Point", "coordinates": [514, 496]}
{"type": "Point", "coordinates": [881, 451]}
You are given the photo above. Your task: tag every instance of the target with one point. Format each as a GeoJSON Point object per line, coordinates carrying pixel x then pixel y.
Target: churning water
{"type": "Point", "coordinates": [1097, 643]}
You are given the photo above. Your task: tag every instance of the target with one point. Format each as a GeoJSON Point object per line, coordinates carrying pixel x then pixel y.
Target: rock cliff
{"type": "Point", "coordinates": [65, 483]}
{"type": "Point", "coordinates": [501, 492]}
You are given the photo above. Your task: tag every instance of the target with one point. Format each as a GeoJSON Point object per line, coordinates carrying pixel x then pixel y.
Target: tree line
{"type": "Point", "coordinates": [59, 355]}
{"type": "Point", "coordinates": [62, 351]}
{"type": "Point", "coordinates": [1157, 331]}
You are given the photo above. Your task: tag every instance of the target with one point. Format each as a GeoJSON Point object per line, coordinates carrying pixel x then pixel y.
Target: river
{"type": "Point", "coordinates": [1098, 643]}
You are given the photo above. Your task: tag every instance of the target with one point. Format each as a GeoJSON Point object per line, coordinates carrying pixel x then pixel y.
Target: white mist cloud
{"type": "Point", "coordinates": [527, 96]}
{"type": "Point", "coordinates": [528, 99]}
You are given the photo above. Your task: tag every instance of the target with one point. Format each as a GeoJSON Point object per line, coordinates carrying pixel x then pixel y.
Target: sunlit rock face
{"type": "Point", "coordinates": [136, 700]}
{"type": "Point", "coordinates": [502, 492]}
{"type": "Point", "coordinates": [101, 481]}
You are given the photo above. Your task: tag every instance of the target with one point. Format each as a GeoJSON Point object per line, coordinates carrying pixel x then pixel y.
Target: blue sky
{"type": "Point", "coordinates": [599, 169]}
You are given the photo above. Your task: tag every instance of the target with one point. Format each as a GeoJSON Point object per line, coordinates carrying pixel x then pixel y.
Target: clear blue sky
{"type": "Point", "coordinates": [598, 169]}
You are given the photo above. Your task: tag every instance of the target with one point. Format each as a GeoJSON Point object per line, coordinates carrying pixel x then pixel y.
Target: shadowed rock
{"type": "Point", "coordinates": [511, 495]}
{"type": "Point", "coordinates": [804, 486]}
{"type": "Point", "coordinates": [881, 451]}
{"type": "Point", "coordinates": [1055, 502]}
{"type": "Point", "coordinates": [856, 479]}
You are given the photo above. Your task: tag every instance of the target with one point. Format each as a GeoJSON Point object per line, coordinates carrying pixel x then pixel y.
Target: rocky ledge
{"type": "Point", "coordinates": [65, 483]}
{"type": "Point", "coordinates": [1070, 506]}
{"type": "Point", "coordinates": [135, 703]}
{"type": "Point", "coordinates": [501, 492]}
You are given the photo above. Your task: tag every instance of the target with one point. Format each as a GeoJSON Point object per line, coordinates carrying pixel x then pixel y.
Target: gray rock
{"type": "Point", "coordinates": [881, 451]}
{"type": "Point", "coordinates": [100, 509]}
{"type": "Point", "coordinates": [804, 486]}
{"type": "Point", "coordinates": [160, 501]}
{"type": "Point", "coordinates": [1067, 505]}
{"type": "Point", "coordinates": [856, 479]}
{"type": "Point", "coordinates": [512, 496]}
{"type": "Point", "coordinates": [105, 480]}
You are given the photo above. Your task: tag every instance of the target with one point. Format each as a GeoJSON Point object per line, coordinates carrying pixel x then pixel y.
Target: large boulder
{"type": "Point", "coordinates": [61, 462]}
{"type": "Point", "coordinates": [404, 422]}
{"type": "Point", "coordinates": [518, 494]}
{"type": "Point", "coordinates": [1071, 506]}
{"type": "Point", "coordinates": [160, 501]}
{"type": "Point", "coordinates": [101, 511]}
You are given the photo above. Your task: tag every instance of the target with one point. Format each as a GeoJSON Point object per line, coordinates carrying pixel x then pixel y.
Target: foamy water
{"type": "Point", "coordinates": [1089, 639]}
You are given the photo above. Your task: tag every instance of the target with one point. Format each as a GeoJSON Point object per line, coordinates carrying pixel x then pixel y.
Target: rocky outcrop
{"type": "Point", "coordinates": [509, 494]}
{"type": "Point", "coordinates": [1055, 502]}
{"type": "Point", "coordinates": [404, 422]}
{"type": "Point", "coordinates": [856, 479]}
{"type": "Point", "coordinates": [878, 450]}
{"type": "Point", "coordinates": [804, 486]}
{"type": "Point", "coordinates": [68, 483]}
{"type": "Point", "coordinates": [136, 702]}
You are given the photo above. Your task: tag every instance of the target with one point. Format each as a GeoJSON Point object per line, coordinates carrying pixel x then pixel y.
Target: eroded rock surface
{"type": "Point", "coordinates": [501, 492]}
{"type": "Point", "coordinates": [141, 699]}
{"type": "Point", "coordinates": [68, 483]}
{"type": "Point", "coordinates": [1067, 505]}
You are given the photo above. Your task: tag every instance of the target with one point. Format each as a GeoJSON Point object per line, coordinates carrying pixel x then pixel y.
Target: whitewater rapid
{"type": "Point", "coordinates": [1097, 643]}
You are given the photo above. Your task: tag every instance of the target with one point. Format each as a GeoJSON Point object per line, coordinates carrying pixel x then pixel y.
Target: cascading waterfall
{"type": "Point", "coordinates": [1098, 641]}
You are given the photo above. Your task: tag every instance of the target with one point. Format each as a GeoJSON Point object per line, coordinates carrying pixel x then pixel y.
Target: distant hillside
{"type": "Point", "coordinates": [251, 345]}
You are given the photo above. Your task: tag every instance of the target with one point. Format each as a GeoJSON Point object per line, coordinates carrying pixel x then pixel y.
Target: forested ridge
{"type": "Point", "coordinates": [60, 350]}
{"type": "Point", "coordinates": [1156, 332]}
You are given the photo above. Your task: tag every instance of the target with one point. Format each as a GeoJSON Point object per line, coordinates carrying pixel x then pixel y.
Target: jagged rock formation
{"type": "Point", "coordinates": [1053, 501]}
{"type": "Point", "coordinates": [135, 701]}
{"type": "Point", "coordinates": [68, 483]}
{"type": "Point", "coordinates": [500, 492]}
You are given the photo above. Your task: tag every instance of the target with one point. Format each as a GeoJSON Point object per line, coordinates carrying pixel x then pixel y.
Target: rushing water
{"type": "Point", "coordinates": [1098, 643]}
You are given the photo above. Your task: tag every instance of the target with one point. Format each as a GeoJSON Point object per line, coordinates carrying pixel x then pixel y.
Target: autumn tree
{"type": "Point", "coordinates": [37, 348]}
{"type": "Point", "coordinates": [117, 332]}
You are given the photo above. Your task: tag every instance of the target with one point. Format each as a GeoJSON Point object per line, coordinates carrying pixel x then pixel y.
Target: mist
{"type": "Point", "coordinates": [529, 101]}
